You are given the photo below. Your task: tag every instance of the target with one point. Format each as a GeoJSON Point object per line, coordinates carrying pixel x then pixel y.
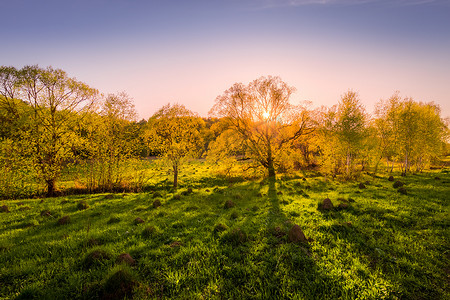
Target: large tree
{"type": "Point", "coordinates": [56, 102]}
{"type": "Point", "coordinates": [262, 119]}
{"type": "Point", "coordinates": [174, 132]}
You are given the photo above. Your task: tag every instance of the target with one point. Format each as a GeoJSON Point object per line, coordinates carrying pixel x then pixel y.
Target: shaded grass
{"type": "Point", "coordinates": [383, 245]}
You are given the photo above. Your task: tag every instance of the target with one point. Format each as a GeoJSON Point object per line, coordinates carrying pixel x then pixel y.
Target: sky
{"type": "Point", "coordinates": [191, 51]}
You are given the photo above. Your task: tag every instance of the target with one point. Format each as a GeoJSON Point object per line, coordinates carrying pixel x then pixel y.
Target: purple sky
{"type": "Point", "coordinates": [191, 51]}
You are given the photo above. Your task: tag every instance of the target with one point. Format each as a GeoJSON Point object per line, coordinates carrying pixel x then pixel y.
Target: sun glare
{"type": "Point", "coordinates": [266, 115]}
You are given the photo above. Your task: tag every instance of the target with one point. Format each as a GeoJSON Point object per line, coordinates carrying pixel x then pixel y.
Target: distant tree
{"type": "Point", "coordinates": [342, 133]}
{"type": "Point", "coordinates": [175, 133]}
{"type": "Point", "coordinates": [57, 102]}
{"type": "Point", "coordinates": [350, 127]}
{"type": "Point", "coordinates": [410, 132]}
{"type": "Point", "coordinates": [262, 119]}
{"type": "Point", "coordinates": [111, 135]}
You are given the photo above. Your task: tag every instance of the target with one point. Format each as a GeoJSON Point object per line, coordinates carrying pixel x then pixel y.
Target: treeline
{"type": "Point", "coordinates": [50, 122]}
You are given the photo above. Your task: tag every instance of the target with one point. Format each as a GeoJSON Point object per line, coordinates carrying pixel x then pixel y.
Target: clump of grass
{"type": "Point", "coordinates": [402, 190]}
{"type": "Point", "coordinates": [82, 205]}
{"type": "Point", "coordinates": [148, 232]}
{"type": "Point", "coordinates": [157, 195]}
{"type": "Point", "coordinates": [95, 257]}
{"type": "Point", "coordinates": [156, 203]}
{"type": "Point", "coordinates": [138, 221]}
{"type": "Point", "coordinates": [228, 204]}
{"type": "Point", "coordinates": [397, 184]}
{"type": "Point", "coordinates": [64, 220]}
{"type": "Point", "coordinates": [119, 285]}
{"type": "Point", "coordinates": [220, 227]}
{"type": "Point", "coordinates": [235, 237]}
{"type": "Point", "coordinates": [234, 215]}
{"type": "Point", "coordinates": [114, 219]}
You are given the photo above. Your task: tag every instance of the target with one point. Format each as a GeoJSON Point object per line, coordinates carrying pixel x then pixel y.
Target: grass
{"type": "Point", "coordinates": [383, 245]}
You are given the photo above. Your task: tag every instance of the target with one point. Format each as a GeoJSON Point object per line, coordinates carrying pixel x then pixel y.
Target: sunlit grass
{"type": "Point", "coordinates": [382, 245]}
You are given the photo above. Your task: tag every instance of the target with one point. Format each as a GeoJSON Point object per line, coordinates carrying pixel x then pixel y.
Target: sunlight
{"type": "Point", "coordinates": [266, 114]}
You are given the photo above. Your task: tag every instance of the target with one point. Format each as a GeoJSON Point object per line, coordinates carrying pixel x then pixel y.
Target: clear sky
{"type": "Point", "coordinates": [190, 51]}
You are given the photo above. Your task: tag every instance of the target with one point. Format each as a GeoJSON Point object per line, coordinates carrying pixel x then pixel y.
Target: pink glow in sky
{"type": "Point", "coordinates": [191, 51]}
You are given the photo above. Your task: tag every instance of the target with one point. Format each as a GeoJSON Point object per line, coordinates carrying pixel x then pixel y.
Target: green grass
{"type": "Point", "coordinates": [383, 245]}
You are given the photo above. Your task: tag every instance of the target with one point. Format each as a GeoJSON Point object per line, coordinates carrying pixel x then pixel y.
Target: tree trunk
{"type": "Point", "coordinates": [51, 187]}
{"type": "Point", "coordinates": [270, 166]}
{"type": "Point", "coordinates": [175, 176]}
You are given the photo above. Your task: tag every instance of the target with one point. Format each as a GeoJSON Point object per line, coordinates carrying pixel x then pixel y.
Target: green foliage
{"type": "Point", "coordinates": [175, 133]}
{"type": "Point", "coordinates": [409, 132]}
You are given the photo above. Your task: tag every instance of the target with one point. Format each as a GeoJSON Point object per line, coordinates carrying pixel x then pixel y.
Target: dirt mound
{"type": "Point", "coordinates": [4, 208]}
{"type": "Point", "coordinates": [95, 257]}
{"type": "Point", "coordinates": [326, 204]}
{"type": "Point", "coordinates": [138, 221]}
{"type": "Point", "coordinates": [46, 213]}
{"type": "Point", "coordinates": [235, 237]}
{"type": "Point", "coordinates": [64, 220]}
{"type": "Point", "coordinates": [148, 231]}
{"type": "Point", "coordinates": [296, 235]}
{"type": "Point", "coordinates": [126, 259]}
{"type": "Point", "coordinates": [391, 178]}
{"type": "Point", "coordinates": [220, 227]}
{"type": "Point", "coordinates": [398, 184]}
{"type": "Point", "coordinates": [342, 206]}
{"type": "Point", "coordinates": [228, 204]}
{"type": "Point", "coordinates": [119, 286]}
{"type": "Point", "coordinates": [82, 205]}
{"type": "Point", "coordinates": [361, 186]}
{"type": "Point", "coordinates": [402, 190]}
{"type": "Point", "coordinates": [156, 203]}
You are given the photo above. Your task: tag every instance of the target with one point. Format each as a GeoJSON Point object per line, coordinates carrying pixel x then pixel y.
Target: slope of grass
{"type": "Point", "coordinates": [380, 244]}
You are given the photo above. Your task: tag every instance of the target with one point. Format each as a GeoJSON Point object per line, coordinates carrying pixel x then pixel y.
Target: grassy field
{"type": "Point", "coordinates": [379, 243]}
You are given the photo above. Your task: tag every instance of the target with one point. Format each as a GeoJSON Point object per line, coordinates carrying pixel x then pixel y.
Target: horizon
{"type": "Point", "coordinates": [161, 52]}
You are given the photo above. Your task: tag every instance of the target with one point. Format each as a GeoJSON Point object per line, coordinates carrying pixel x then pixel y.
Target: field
{"type": "Point", "coordinates": [231, 238]}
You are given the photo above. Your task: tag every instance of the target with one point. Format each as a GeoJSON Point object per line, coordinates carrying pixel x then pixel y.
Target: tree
{"type": "Point", "coordinates": [262, 119]}
{"type": "Point", "coordinates": [175, 133]}
{"type": "Point", "coordinates": [342, 132]}
{"type": "Point", "coordinates": [409, 132]}
{"type": "Point", "coordinates": [111, 138]}
{"type": "Point", "coordinates": [350, 126]}
{"type": "Point", "coordinates": [56, 102]}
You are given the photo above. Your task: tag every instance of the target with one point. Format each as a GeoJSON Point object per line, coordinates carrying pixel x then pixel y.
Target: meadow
{"type": "Point", "coordinates": [219, 237]}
